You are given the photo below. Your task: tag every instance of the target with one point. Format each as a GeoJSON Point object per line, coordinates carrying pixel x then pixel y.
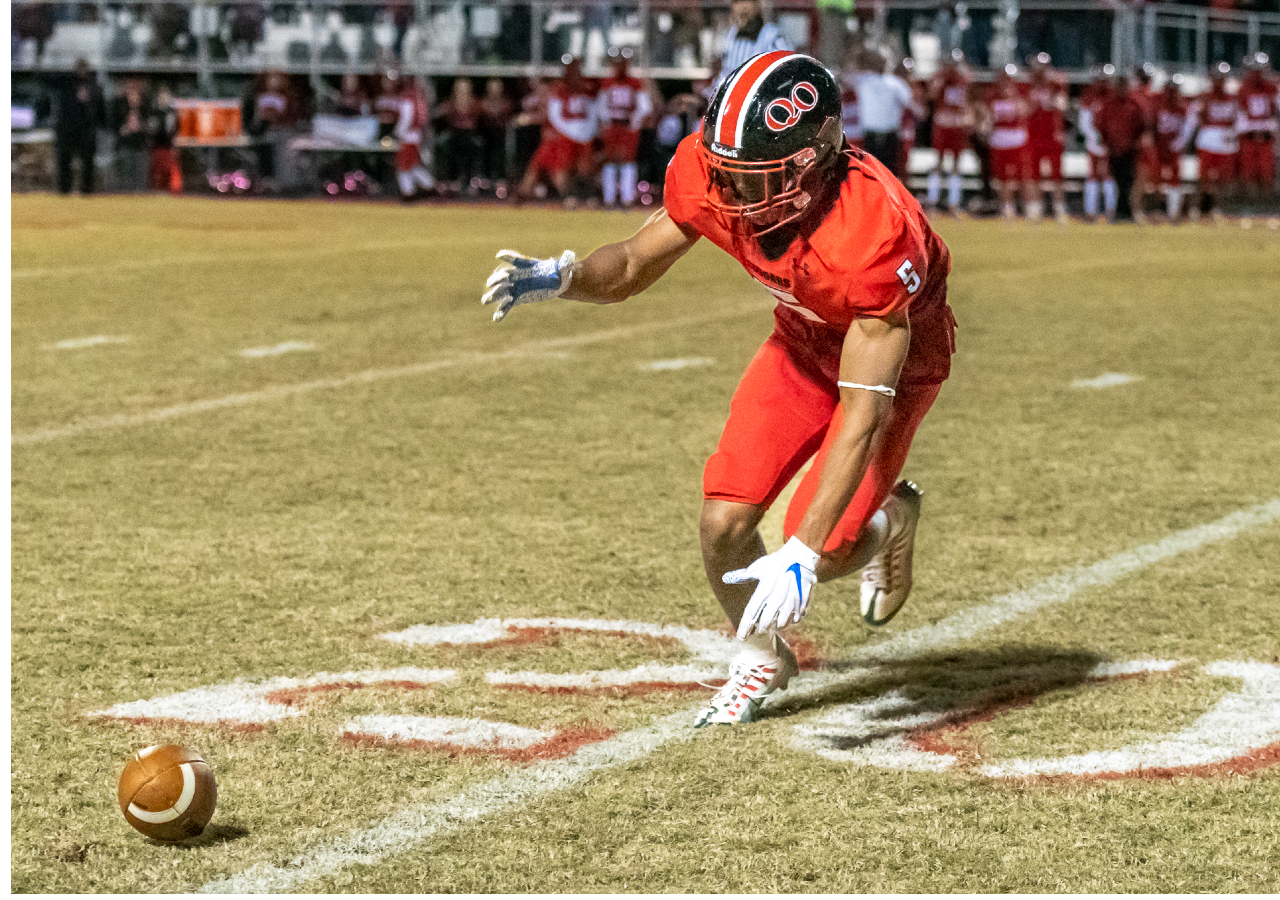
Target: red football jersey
{"type": "Point", "coordinates": [951, 107]}
{"type": "Point", "coordinates": [619, 98]}
{"type": "Point", "coordinates": [1168, 124]}
{"type": "Point", "coordinates": [1259, 104]}
{"type": "Point", "coordinates": [1047, 99]}
{"type": "Point", "coordinates": [873, 254]}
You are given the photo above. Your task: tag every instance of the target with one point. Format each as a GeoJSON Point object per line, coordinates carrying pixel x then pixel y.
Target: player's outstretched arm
{"type": "Point", "coordinates": [610, 274]}
{"type": "Point", "coordinates": [615, 272]}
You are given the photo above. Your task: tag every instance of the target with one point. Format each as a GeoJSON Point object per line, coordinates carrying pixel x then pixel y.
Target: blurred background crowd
{"type": "Point", "coordinates": [1103, 108]}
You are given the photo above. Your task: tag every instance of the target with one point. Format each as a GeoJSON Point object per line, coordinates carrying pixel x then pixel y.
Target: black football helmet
{"type": "Point", "coordinates": [773, 120]}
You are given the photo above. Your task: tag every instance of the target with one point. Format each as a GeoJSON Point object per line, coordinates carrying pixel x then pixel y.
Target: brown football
{"type": "Point", "coordinates": [167, 792]}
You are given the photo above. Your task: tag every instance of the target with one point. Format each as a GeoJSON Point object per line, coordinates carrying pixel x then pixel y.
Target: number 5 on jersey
{"type": "Point", "coordinates": [909, 276]}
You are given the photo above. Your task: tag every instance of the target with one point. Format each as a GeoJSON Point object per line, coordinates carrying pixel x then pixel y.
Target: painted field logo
{"type": "Point", "coordinates": [251, 706]}
{"type": "Point", "coordinates": [922, 731]}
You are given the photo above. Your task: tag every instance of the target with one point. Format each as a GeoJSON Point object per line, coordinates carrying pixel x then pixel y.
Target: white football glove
{"type": "Point", "coordinates": [786, 577]}
{"type": "Point", "coordinates": [524, 279]}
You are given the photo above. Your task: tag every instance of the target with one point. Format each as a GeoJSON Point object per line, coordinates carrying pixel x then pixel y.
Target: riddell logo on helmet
{"type": "Point", "coordinates": [784, 112]}
{"type": "Point", "coordinates": [722, 150]}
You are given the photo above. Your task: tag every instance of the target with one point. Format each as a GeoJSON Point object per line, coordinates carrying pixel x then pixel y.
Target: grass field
{"type": "Point", "coordinates": [190, 517]}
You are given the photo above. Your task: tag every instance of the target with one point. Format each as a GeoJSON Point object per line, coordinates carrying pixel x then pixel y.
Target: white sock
{"type": "Point", "coordinates": [609, 180]}
{"type": "Point", "coordinates": [934, 191]}
{"type": "Point", "coordinates": [1091, 198]}
{"type": "Point", "coordinates": [1035, 209]}
{"type": "Point", "coordinates": [953, 190]}
{"type": "Point", "coordinates": [1173, 202]}
{"type": "Point", "coordinates": [629, 175]}
{"type": "Point", "coordinates": [1109, 194]}
{"type": "Point", "coordinates": [758, 649]}
{"type": "Point", "coordinates": [405, 180]}
{"type": "Point", "coordinates": [423, 177]}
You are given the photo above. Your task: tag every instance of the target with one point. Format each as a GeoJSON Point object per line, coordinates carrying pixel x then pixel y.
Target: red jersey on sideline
{"type": "Point", "coordinates": [1047, 98]}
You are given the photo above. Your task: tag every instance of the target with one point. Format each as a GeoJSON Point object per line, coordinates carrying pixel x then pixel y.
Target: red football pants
{"type": "Point", "coordinates": [786, 411]}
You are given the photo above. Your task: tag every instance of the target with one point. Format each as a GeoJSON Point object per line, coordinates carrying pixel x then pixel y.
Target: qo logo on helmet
{"type": "Point", "coordinates": [784, 112]}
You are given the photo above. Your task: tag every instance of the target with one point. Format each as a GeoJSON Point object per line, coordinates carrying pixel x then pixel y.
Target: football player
{"type": "Point", "coordinates": [1010, 151]}
{"type": "Point", "coordinates": [1047, 99]}
{"type": "Point", "coordinates": [403, 106]}
{"type": "Point", "coordinates": [862, 342]}
{"type": "Point", "coordinates": [951, 127]}
{"type": "Point", "coordinates": [1215, 115]}
{"type": "Point", "coordinates": [1169, 139]}
{"type": "Point", "coordinates": [566, 152]}
{"type": "Point", "coordinates": [1259, 98]}
{"type": "Point", "coordinates": [1098, 183]}
{"type": "Point", "coordinates": [624, 105]}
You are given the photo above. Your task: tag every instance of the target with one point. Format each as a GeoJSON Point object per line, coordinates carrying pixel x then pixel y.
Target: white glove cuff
{"type": "Point", "coordinates": [800, 552]}
{"type": "Point", "coordinates": [568, 260]}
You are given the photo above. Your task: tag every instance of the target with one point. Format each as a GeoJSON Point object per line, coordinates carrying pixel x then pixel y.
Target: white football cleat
{"type": "Point", "coordinates": [753, 675]}
{"type": "Point", "coordinates": [886, 580]}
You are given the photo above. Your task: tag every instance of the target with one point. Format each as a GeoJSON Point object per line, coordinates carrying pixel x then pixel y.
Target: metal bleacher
{"type": "Point", "coordinates": [212, 40]}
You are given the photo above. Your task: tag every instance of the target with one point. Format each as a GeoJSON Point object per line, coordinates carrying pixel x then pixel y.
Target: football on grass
{"type": "Point", "coordinates": [167, 792]}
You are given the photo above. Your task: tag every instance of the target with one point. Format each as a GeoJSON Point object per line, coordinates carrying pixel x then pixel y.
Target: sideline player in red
{"type": "Point", "coordinates": [862, 342]}
{"type": "Point", "coordinates": [624, 105]}
{"type": "Point", "coordinates": [403, 105]}
{"type": "Point", "coordinates": [1259, 97]}
{"type": "Point", "coordinates": [1098, 183]}
{"type": "Point", "coordinates": [1046, 136]}
{"type": "Point", "coordinates": [1010, 153]}
{"type": "Point", "coordinates": [1169, 138]}
{"type": "Point", "coordinates": [566, 151]}
{"type": "Point", "coordinates": [1215, 114]}
{"type": "Point", "coordinates": [952, 125]}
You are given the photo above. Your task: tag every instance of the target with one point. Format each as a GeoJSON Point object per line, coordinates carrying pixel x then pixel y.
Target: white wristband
{"type": "Point", "coordinates": [803, 553]}
{"type": "Point", "coordinates": [874, 388]}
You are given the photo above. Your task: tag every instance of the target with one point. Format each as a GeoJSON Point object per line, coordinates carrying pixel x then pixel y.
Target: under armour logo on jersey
{"type": "Point", "coordinates": [782, 113]}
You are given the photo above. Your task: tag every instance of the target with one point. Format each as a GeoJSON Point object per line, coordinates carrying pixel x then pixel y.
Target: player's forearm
{"type": "Point", "coordinates": [604, 276]}
{"type": "Point", "coordinates": [611, 274]}
{"type": "Point", "coordinates": [842, 471]}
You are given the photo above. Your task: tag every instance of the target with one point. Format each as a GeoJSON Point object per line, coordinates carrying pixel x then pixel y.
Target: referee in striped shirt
{"type": "Point", "coordinates": [749, 35]}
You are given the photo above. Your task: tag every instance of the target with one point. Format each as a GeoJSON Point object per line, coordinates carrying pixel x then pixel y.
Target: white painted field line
{"type": "Point", "coordinates": [276, 350]}
{"type": "Point", "coordinates": [414, 825]}
{"type": "Point", "coordinates": [671, 365]}
{"type": "Point", "coordinates": [1105, 380]}
{"type": "Point", "coordinates": [552, 347]}
{"type": "Point", "coordinates": [81, 343]}
{"type": "Point", "coordinates": [216, 259]}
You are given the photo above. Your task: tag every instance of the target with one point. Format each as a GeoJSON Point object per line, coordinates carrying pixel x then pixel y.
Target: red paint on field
{"type": "Point", "coordinates": [806, 652]}
{"type": "Point", "coordinates": [292, 696]}
{"type": "Point", "coordinates": [1246, 764]}
{"type": "Point", "coordinates": [563, 743]}
{"type": "Point", "coordinates": [947, 739]}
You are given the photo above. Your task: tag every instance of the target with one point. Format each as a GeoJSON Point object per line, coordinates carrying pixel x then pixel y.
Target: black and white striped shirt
{"type": "Point", "coordinates": [738, 50]}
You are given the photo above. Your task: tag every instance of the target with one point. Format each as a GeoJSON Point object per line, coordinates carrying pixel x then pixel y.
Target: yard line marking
{"type": "Point", "coordinates": [81, 343]}
{"type": "Point", "coordinates": [552, 348]}
{"type": "Point", "coordinates": [415, 825]}
{"type": "Point", "coordinates": [220, 259]}
{"type": "Point", "coordinates": [277, 350]}
{"type": "Point", "coordinates": [1105, 380]}
{"type": "Point", "coordinates": [670, 365]}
